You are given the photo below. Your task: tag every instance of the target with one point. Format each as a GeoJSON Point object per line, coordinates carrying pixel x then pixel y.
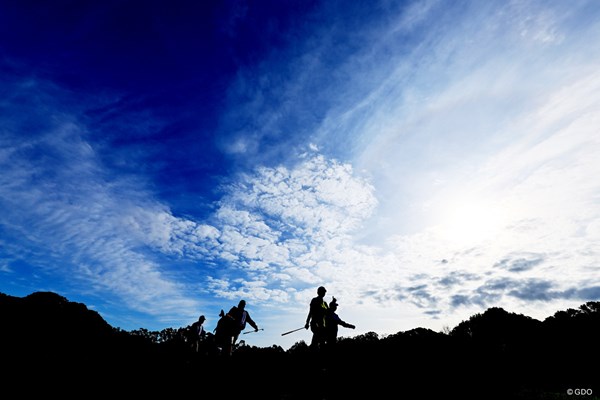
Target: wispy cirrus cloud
{"type": "Point", "coordinates": [63, 202]}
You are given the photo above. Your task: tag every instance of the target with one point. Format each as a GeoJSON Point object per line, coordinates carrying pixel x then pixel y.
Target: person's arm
{"type": "Point", "coordinates": [346, 325]}
{"type": "Point", "coordinates": [309, 316]}
{"type": "Point", "coordinates": [307, 321]}
{"type": "Point", "coordinates": [251, 322]}
{"type": "Point", "coordinates": [336, 319]}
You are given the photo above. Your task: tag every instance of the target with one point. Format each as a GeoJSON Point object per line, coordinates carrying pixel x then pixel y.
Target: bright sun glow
{"type": "Point", "coordinates": [468, 220]}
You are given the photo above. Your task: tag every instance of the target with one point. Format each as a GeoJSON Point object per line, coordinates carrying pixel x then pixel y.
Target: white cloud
{"type": "Point", "coordinates": [286, 221]}
{"type": "Point", "coordinates": [67, 216]}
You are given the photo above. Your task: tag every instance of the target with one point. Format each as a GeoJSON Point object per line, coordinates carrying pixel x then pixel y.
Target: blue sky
{"type": "Point", "coordinates": [422, 160]}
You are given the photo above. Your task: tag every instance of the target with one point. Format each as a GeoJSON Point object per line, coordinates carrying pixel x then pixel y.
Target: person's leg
{"type": "Point", "coordinates": [321, 339]}
{"type": "Point", "coordinates": [314, 342]}
{"type": "Point", "coordinates": [231, 344]}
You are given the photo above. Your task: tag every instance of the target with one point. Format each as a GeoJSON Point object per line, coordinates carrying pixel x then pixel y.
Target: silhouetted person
{"type": "Point", "coordinates": [332, 321]}
{"type": "Point", "coordinates": [241, 317]}
{"type": "Point", "coordinates": [316, 318]}
{"type": "Point", "coordinates": [224, 332]}
{"type": "Point", "coordinates": [197, 333]}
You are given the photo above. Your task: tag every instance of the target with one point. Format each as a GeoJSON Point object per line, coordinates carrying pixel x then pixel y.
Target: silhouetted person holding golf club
{"type": "Point", "coordinates": [240, 316]}
{"type": "Point", "coordinates": [316, 319]}
{"type": "Point", "coordinates": [332, 321]}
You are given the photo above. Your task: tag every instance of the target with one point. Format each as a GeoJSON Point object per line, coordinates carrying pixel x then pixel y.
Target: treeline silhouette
{"type": "Point", "coordinates": [51, 346]}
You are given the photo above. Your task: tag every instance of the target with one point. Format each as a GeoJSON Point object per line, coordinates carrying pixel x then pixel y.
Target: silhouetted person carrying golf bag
{"type": "Point", "coordinates": [230, 325]}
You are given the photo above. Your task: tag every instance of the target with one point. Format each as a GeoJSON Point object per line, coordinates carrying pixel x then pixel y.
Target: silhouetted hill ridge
{"type": "Point", "coordinates": [494, 354]}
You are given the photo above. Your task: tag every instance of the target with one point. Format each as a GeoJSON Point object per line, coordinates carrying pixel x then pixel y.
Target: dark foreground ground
{"type": "Point", "coordinates": [424, 372]}
{"type": "Point", "coordinates": [50, 347]}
